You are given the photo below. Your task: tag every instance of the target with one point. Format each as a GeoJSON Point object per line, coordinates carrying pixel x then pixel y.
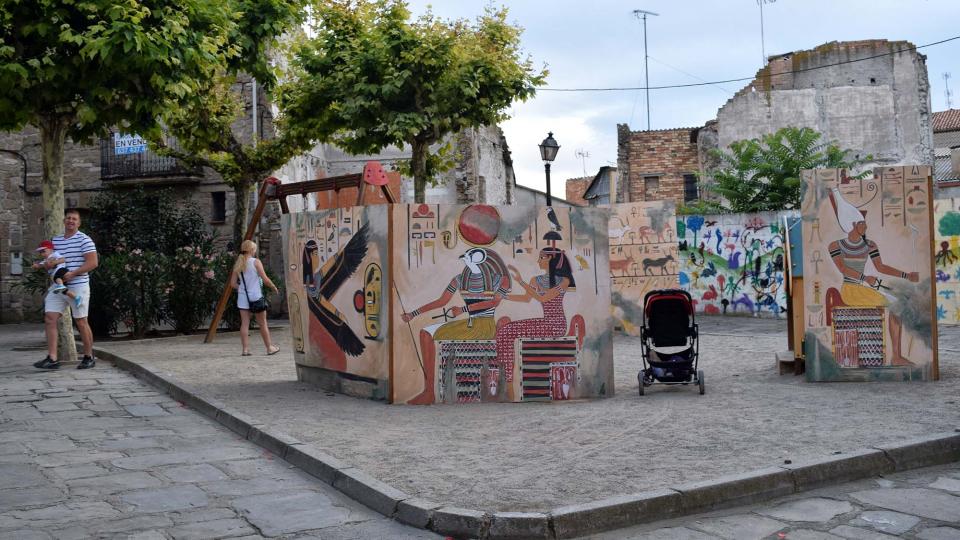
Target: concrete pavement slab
{"type": "Point", "coordinates": [856, 533]}
{"type": "Point", "coordinates": [886, 521]}
{"type": "Point", "coordinates": [741, 526]}
{"type": "Point", "coordinates": [812, 509]}
{"type": "Point", "coordinates": [289, 513]}
{"type": "Point", "coordinates": [939, 533]}
{"type": "Point", "coordinates": [19, 476]}
{"type": "Point", "coordinates": [927, 503]}
{"type": "Point", "coordinates": [165, 499]}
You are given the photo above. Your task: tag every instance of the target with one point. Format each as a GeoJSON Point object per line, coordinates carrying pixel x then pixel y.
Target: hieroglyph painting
{"type": "Point", "coordinates": [733, 263]}
{"type": "Point", "coordinates": [947, 259]}
{"type": "Point", "coordinates": [868, 275]}
{"type": "Point", "coordinates": [643, 257]}
{"type": "Point", "coordinates": [336, 289]}
{"type": "Point", "coordinates": [500, 304]}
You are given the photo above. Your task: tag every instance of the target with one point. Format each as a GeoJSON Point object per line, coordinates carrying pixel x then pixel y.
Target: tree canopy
{"type": "Point", "coordinates": [206, 125]}
{"type": "Point", "coordinates": [101, 63]}
{"type": "Point", "coordinates": [371, 77]}
{"type": "Point", "coordinates": [763, 174]}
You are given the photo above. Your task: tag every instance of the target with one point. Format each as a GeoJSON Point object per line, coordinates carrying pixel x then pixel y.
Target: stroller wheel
{"type": "Point", "coordinates": [640, 377]}
{"type": "Point", "coordinates": [700, 378]}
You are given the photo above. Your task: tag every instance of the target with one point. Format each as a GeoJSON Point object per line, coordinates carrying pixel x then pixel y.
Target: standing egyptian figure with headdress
{"type": "Point", "coordinates": [850, 255]}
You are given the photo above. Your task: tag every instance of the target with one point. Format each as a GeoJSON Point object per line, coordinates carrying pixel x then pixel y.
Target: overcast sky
{"type": "Point", "coordinates": [599, 43]}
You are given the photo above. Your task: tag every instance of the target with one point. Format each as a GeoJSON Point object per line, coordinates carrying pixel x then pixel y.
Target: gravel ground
{"type": "Point", "coordinates": [535, 456]}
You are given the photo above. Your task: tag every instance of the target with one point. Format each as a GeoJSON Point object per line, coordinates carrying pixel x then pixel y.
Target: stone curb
{"type": "Point", "coordinates": [568, 521]}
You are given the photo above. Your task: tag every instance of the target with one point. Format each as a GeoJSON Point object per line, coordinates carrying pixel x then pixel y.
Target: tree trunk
{"type": "Point", "coordinates": [418, 166]}
{"type": "Point", "coordinates": [53, 136]}
{"type": "Point", "coordinates": [241, 193]}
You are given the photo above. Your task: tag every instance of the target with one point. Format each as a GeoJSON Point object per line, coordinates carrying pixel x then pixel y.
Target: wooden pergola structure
{"type": "Point", "coordinates": [271, 189]}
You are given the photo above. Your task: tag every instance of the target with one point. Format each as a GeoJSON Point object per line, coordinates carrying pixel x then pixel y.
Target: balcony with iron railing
{"type": "Point", "coordinates": [123, 158]}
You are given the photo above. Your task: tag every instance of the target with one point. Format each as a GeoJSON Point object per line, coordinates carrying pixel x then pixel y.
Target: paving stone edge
{"type": "Point", "coordinates": [568, 521]}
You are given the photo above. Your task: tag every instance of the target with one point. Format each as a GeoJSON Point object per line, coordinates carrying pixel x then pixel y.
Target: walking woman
{"type": "Point", "coordinates": [246, 278]}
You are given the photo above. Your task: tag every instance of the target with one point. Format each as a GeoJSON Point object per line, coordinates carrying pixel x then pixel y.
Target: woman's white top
{"type": "Point", "coordinates": [253, 281]}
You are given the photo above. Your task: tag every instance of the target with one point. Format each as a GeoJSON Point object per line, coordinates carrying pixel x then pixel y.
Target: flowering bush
{"type": "Point", "coordinates": [156, 262]}
{"type": "Point", "coordinates": [194, 287]}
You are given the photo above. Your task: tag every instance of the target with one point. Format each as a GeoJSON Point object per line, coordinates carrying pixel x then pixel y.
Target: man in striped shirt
{"type": "Point", "coordinates": [81, 257]}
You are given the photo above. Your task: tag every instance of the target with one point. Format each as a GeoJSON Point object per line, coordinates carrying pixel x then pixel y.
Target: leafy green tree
{"type": "Point", "coordinates": [77, 68]}
{"type": "Point", "coordinates": [206, 126]}
{"type": "Point", "coordinates": [371, 78]}
{"type": "Point", "coordinates": [764, 174]}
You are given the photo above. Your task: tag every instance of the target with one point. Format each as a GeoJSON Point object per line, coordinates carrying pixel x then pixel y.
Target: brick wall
{"type": "Point", "coordinates": [576, 187]}
{"type": "Point", "coordinates": [665, 154]}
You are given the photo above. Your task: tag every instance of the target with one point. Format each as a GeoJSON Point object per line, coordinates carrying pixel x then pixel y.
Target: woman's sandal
{"type": "Point", "coordinates": [274, 351]}
{"type": "Point", "coordinates": [247, 353]}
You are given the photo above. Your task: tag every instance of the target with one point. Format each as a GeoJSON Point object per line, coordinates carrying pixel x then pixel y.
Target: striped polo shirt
{"type": "Point", "coordinates": [73, 250]}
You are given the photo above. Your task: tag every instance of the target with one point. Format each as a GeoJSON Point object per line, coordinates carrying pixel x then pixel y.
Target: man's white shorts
{"type": "Point", "coordinates": [58, 303]}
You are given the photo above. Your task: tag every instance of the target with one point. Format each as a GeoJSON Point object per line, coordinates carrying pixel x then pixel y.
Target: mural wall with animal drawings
{"type": "Point", "coordinates": [947, 259]}
{"type": "Point", "coordinates": [868, 275]}
{"type": "Point", "coordinates": [336, 283]}
{"type": "Point", "coordinates": [500, 304]}
{"type": "Point", "coordinates": [643, 257]}
{"type": "Point", "coordinates": [734, 263]}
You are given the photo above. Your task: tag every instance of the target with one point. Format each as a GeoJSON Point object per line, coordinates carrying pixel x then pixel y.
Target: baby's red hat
{"type": "Point", "coordinates": [46, 244]}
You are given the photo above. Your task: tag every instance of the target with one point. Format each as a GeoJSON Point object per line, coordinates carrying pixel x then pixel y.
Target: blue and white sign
{"type": "Point", "coordinates": [124, 144]}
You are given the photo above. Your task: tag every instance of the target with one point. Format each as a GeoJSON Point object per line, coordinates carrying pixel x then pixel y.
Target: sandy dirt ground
{"type": "Point", "coordinates": [536, 456]}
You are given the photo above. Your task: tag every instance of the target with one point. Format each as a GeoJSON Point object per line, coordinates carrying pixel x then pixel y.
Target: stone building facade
{"type": "Point", "coordinates": [90, 169]}
{"type": "Point", "coordinates": [657, 165]}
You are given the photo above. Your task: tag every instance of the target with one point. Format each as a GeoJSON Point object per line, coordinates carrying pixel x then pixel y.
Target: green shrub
{"type": "Point", "coordinates": [194, 287]}
{"type": "Point", "coordinates": [140, 281]}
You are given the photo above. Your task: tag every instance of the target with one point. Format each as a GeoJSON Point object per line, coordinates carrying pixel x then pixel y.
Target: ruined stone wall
{"type": "Point", "coordinates": [666, 154]}
{"type": "Point", "coordinates": [854, 93]}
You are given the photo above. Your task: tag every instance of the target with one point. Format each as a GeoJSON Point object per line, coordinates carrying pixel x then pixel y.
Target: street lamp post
{"type": "Point", "coordinates": [548, 152]}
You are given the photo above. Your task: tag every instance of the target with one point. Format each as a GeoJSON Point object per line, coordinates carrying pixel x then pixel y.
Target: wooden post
{"type": "Point", "coordinates": [227, 289]}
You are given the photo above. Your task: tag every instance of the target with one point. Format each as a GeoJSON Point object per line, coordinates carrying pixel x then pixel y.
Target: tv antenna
{"type": "Point", "coordinates": [642, 14]}
{"type": "Point", "coordinates": [946, 90]}
{"type": "Point", "coordinates": [763, 47]}
{"type": "Point", "coordinates": [583, 155]}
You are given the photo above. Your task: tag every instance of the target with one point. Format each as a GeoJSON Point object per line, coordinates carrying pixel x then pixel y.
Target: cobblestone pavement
{"type": "Point", "coordinates": [535, 456]}
{"type": "Point", "coordinates": [921, 504]}
{"type": "Point", "coordinates": [99, 454]}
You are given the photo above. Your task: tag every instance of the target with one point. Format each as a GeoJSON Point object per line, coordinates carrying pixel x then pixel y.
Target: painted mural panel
{"type": "Point", "coordinates": [500, 304]}
{"type": "Point", "coordinates": [643, 257]}
{"type": "Point", "coordinates": [336, 283]}
{"type": "Point", "coordinates": [868, 275]}
{"type": "Point", "coordinates": [947, 259]}
{"type": "Point", "coordinates": [734, 263]}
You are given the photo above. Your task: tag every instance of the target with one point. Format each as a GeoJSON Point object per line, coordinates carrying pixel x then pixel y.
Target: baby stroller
{"type": "Point", "coordinates": [669, 340]}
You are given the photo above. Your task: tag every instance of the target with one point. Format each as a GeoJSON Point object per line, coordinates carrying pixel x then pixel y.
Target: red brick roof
{"type": "Point", "coordinates": [948, 120]}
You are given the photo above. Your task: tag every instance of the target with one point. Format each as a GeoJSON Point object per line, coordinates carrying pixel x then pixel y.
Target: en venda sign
{"type": "Point", "coordinates": [124, 144]}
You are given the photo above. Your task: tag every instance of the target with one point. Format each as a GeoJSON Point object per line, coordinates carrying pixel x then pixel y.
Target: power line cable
{"type": "Point", "coordinates": [691, 75]}
{"type": "Point", "coordinates": [741, 79]}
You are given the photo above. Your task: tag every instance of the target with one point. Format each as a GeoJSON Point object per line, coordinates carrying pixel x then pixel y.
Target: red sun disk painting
{"type": "Point", "coordinates": [479, 224]}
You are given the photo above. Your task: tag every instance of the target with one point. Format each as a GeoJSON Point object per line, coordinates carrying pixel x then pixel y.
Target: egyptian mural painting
{"type": "Point", "coordinates": [868, 269]}
{"type": "Point", "coordinates": [500, 304]}
{"type": "Point", "coordinates": [643, 257]}
{"type": "Point", "coordinates": [733, 263]}
{"type": "Point", "coordinates": [336, 288]}
{"type": "Point", "coordinates": [947, 259]}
